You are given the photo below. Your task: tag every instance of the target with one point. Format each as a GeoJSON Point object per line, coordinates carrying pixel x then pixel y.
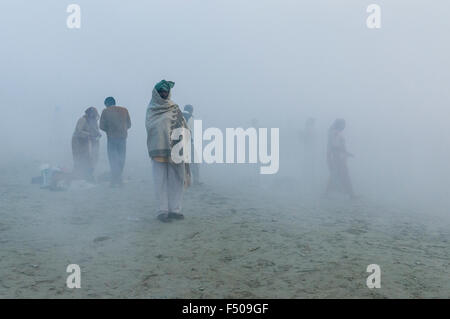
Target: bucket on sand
{"type": "Point", "coordinates": [46, 174]}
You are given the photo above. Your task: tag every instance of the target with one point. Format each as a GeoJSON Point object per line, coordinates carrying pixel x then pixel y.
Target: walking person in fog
{"type": "Point", "coordinates": [309, 140]}
{"type": "Point", "coordinates": [115, 121]}
{"type": "Point", "coordinates": [164, 116]}
{"type": "Point", "coordinates": [337, 156]}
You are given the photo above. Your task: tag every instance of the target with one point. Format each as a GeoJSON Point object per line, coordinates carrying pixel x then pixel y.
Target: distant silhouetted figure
{"type": "Point", "coordinates": [115, 121]}
{"type": "Point", "coordinates": [309, 139]}
{"type": "Point", "coordinates": [189, 117]}
{"type": "Point", "coordinates": [57, 137]}
{"type": "Point", "coordinates": [337, 156]}
{"type": "Point", "coordinates": [309, 134]}
{"type": "Point", "coordinates": [85, 145]}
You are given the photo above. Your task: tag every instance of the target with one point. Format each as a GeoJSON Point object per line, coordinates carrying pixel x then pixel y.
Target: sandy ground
{"type": "Point", "coordinates": [236, 242]}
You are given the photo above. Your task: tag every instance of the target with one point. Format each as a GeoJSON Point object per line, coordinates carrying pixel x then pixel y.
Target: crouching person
{"type": "Point", "coordinates": [170, 178]}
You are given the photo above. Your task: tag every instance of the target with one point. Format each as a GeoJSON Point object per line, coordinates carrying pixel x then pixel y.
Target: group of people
{"type": "Point", "coordinates": [115, 122]}
{"type": "Point", "coordinates": [170, 178]}
{"type": "Point", "coordinates": [163, 116]}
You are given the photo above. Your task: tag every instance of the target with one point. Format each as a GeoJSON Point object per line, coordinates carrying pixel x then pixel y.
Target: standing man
{"type": "Point", "coordinates": [115, 121]}
{"type": "Point", "coordinates": [189, 117]}
{"type": "Point", "coordinates": [170, 178]}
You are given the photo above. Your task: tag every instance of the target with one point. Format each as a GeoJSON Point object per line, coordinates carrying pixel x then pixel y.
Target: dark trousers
{"type": "Point", "coordinates": [117, 149]}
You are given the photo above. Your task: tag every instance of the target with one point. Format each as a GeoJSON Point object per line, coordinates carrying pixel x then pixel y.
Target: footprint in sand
{"type": "Point", "coordinates": [265, 263]}
{"type": "Point", "coordinates": [356, 231]}
{"type": "Point", "coordinates": [4, 227]}
{"type": "Point", "coordinates": [358, 227]}
{"type": "Point", "coordinates": [226, 259]}
{"type": "Point", "coordinates": [101, 238]}
{"type": "Point", "coordinates": [78, 221]}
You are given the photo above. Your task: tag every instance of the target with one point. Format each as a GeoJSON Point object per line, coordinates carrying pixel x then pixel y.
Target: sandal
{"type": "Point", "coordinates": [176, 215]}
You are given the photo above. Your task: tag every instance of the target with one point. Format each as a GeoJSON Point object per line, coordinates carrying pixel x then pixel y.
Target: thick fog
{"type": "Point", "coordinates": [273, 63]}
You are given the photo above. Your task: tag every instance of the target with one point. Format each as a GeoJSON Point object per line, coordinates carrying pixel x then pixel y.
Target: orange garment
{"type": "Point", "coordinates": [160, 159]}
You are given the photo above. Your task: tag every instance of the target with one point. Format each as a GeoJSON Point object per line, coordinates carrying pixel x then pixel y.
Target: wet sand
{"type": "Point", "coordinates": [236, 242]}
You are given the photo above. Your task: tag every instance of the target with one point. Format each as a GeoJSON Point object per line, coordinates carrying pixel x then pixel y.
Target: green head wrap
{"type": "Point", "coordinates": [164, 85]}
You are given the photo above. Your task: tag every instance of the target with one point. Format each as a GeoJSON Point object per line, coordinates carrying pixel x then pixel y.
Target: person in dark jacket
{"type": "Point", "coordinates": [115, 121]}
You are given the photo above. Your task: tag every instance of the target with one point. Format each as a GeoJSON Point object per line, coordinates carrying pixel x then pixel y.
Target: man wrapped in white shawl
{"type": "Point", "coordinates": [167, 144]}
